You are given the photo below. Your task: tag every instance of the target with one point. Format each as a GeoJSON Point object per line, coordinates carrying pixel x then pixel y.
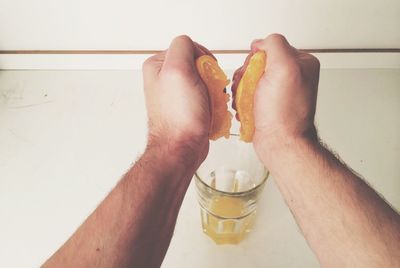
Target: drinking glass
{"type": "Point", "coordinates": [229, 183]}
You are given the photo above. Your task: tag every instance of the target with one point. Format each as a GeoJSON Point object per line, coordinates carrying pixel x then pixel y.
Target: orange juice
{"type": "Point", "coordinates": [226, 221]}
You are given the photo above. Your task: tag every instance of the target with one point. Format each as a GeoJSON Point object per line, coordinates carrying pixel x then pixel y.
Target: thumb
{"type": "Point", "coordinates": [180, 56]}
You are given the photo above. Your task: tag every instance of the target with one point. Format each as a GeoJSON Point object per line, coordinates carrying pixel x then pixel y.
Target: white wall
{"type": "Point", "coordinates": [150, 24]}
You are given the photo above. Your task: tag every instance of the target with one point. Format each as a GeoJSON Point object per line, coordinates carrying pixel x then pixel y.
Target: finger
{"type": "Point", "coordinates": [180, 54]}
{"type": "Point", "coordinates": [255, 44]}
{"type": "Point", "coordinates": [276, 47]}
{"type": "Point", "coordinates": [152, 66]}
{"type": "Point", "coordinates": [198, 51]}
{"type": "Point", "coordinates": [201, 50]}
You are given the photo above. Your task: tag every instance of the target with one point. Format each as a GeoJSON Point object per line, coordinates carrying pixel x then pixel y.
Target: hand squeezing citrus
{"type": "Point", "coordinates": [245, 81]}
{"type": "Point", "coordinates": [216, 81]}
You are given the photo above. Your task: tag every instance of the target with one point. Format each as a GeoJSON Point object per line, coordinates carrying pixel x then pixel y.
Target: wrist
{"type": "Point", "coordinates": [274, 150]}
{"type": "Point", "coordinates": [174, 153]}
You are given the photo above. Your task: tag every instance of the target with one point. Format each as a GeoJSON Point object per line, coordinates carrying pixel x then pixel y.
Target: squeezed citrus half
{"type": "Point", "coordinates": [244, 95]}
{"type": "Point", "coordinates": [216, 81]}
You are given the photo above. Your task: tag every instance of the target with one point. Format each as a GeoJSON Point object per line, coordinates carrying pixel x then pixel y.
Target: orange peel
{"type": "Point", "coordinates": [243, 92]}
{"type": "Point", "coordinates": [216, 81]}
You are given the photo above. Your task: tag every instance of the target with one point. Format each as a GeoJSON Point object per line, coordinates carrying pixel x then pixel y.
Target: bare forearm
{"type": "Point", "coordinates": [134, 224]}
{"type": "Point", "coordinates": [345, 222]}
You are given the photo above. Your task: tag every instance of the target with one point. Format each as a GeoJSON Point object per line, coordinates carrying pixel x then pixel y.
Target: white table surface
{"type": "Point", "coordinates": [66, 137]}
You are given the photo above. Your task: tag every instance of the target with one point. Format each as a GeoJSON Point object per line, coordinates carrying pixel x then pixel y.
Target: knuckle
{"type": "Point", "coordinates": [311, 62]}
{"type": "Point", "coordinates": [276, 38]}
{"type": "Point", "coordinates": [147, 63]}
{"type": "Point", "coordinates": [315, 61]}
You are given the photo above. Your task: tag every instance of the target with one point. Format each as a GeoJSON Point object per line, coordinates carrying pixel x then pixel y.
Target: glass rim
{"type": "Point", "coordinates": [263, 180]}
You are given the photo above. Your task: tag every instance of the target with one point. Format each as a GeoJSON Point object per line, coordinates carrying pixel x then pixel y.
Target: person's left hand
{"type": "Point", "coordinates": [177, 100]}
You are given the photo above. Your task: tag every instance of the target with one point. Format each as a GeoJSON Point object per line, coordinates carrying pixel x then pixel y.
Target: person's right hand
{"type": "Point", "coordinates": [285, 98]}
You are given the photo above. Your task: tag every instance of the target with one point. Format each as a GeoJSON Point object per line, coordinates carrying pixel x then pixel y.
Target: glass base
{"type": "Point", "coordinates": [226, 230]}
